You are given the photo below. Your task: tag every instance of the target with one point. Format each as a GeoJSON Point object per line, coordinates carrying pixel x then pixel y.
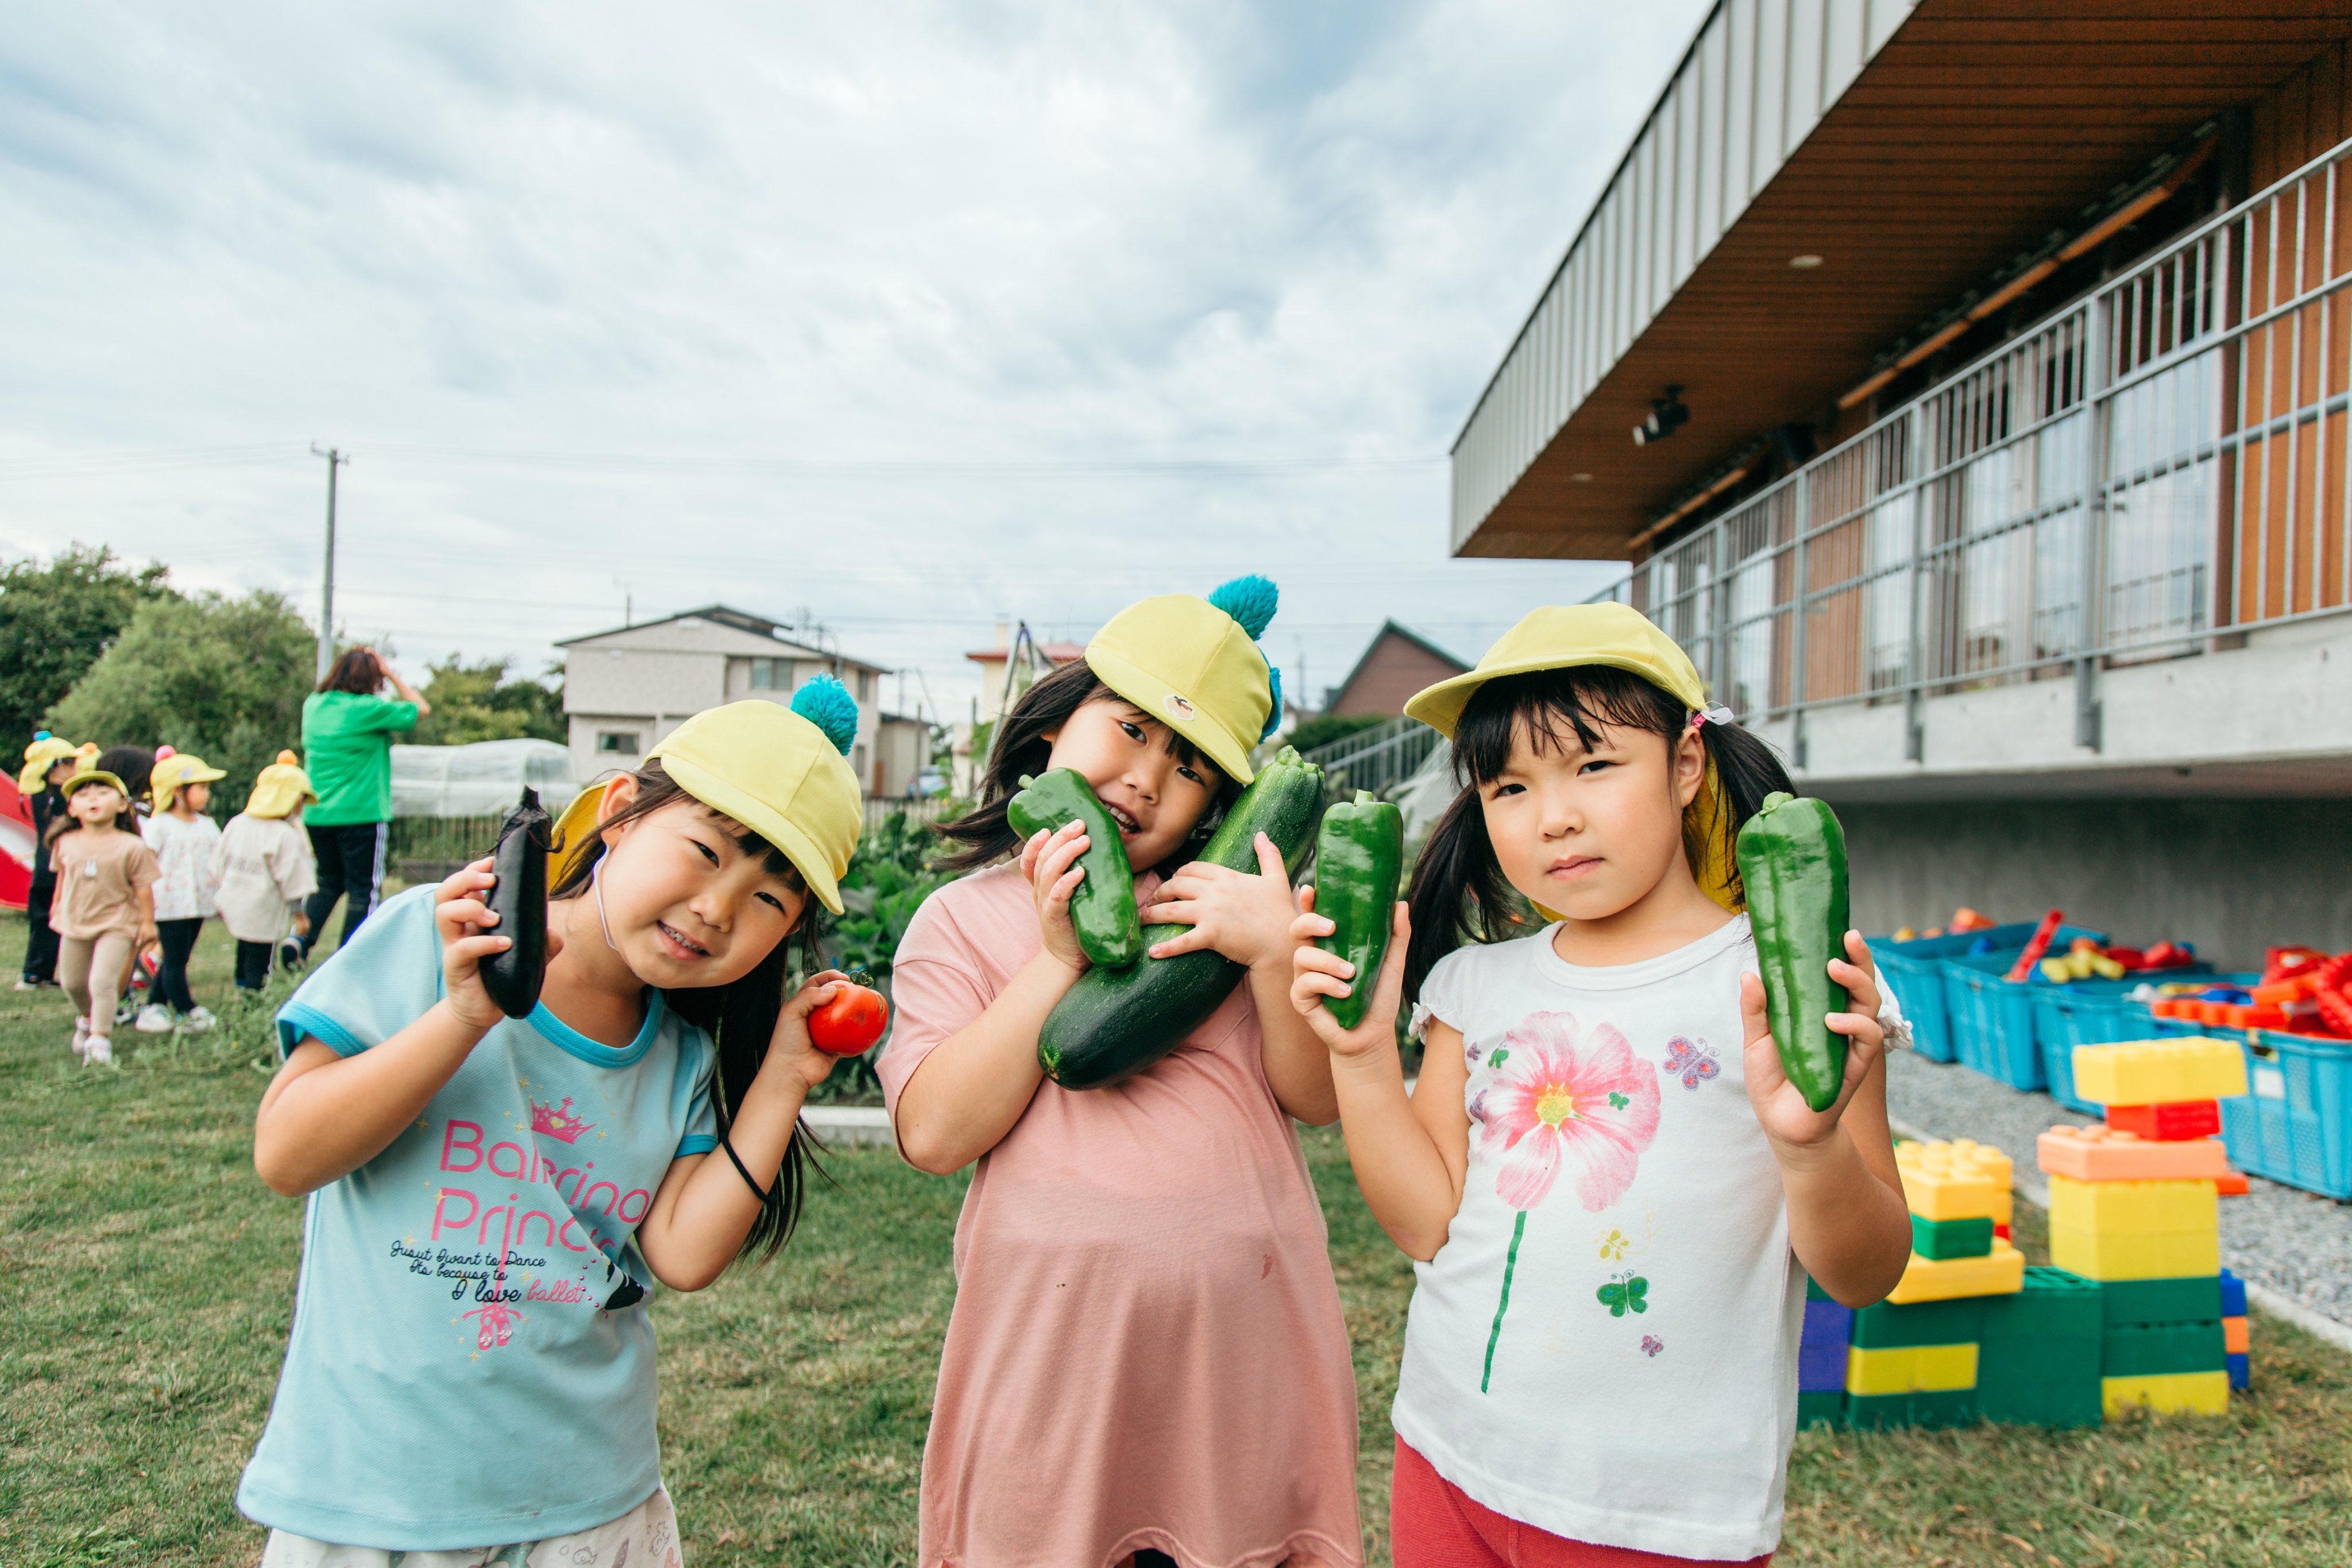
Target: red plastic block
{"type": "Point", "coordinates": [2168, 1123]}
{"type": "Point", "coordinates": [2232, 1185]}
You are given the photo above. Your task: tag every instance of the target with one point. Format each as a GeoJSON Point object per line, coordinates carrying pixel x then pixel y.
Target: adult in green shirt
{"type": "Point", "coordinates": [347, 731]}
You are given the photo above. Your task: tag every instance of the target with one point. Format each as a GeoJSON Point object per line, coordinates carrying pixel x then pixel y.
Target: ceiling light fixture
{"type": "Point", "coordinates": [1805, 263]}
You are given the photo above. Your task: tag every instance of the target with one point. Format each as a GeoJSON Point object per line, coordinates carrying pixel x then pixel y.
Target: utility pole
{"type": "Point", "coordinates": [336, 458]}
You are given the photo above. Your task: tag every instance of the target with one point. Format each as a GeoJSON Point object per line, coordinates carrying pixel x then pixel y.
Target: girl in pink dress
{"type": "Point", "coordinates": [1146, 1361]}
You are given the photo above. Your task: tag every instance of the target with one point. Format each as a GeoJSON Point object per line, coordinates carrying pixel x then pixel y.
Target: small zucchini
{"type": "Point", "coordinates": [520, 899]}
{"type": "Point", "coordinates": [1358, 860]}
{"type": "Point", "coordinates": [1102, 911]}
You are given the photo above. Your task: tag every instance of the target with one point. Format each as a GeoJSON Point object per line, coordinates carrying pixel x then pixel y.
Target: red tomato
{"type": "Point", "coordinates": [850, 1023]}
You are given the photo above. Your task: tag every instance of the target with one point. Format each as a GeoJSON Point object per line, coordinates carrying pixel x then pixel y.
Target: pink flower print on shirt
{"type": "Point", "coordinates": [1558, 1099]}
{"type": "Point", "coordinates": [1588, 1103]}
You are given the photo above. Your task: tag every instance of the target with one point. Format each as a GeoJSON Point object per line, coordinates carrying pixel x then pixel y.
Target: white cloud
{"type": "Point", "coordinates": [896, 234]}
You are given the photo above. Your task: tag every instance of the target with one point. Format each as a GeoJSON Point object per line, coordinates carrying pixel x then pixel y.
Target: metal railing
{"type": "Point", "coordinates": [1378, 759]}
{"type": "Point", "coordinates": [2160, 463]}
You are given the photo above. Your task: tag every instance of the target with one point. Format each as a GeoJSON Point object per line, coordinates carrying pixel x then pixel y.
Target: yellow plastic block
{"type": "Point", "coordinates": [2124, 1255]}
{"type": "Point", "coordinates": [2159, 1072]}
{"type": "Point", "coordinates": [1955, 1180]}
{"type": "Point", "coordinates": [2194, 1393]}
{"type": "Point", "coordinates": [2104, 1154]}
{"type": "Point", "coordinates": [2000, 1273]}
{"type": "Point", "coordinates": [1910, 1369]}
{"type": "Point", "coordinates": [2133, 1208]}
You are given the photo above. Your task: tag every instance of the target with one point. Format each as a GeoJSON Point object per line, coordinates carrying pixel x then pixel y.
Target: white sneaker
{"type": "Point", "coordinates": [81, 1037]}
{"type": "Point", "coordinates": [101, 1051]}
{"type": "Point", "coordinates": [153, 1019]}
{"type": "Point", "coordinates": [125, 1011]}
{"type": "Point", "coordinates": [25, 984]}
{"type": "Point", "coordinates": [197, 1020]}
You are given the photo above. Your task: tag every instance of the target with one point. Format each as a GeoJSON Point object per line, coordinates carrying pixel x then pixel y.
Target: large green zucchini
{"type": "Point", "coordinates": [1116, 1022]}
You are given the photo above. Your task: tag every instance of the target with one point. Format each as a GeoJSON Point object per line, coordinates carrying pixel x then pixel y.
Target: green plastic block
{"type": "Point", "coordinates": [1878, 1412]}
{"type": "Point", "coordinates": [2055, 1305]}
{"type": "Point", "coordinates": [1952, 1322]}
{"type": "Point", "coordinates": [1942, 1238]}
{"type": "Point", "coordinates": [1823, 1408]}
{"type": "Point", "coordinates": [2039, 1382]}
{"type": "Point", "coordinates": [2196, 1300]}
{"type": "Point", "coordinates": [2144, 1350]}
{"type": "Point", "coordinates": [1814, 1293]}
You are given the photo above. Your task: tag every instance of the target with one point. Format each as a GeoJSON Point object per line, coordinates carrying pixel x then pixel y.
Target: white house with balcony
{"type": "Point", "coordinates": [625, 689]}
{"type": "Point", "coordinates": [1966, 389]}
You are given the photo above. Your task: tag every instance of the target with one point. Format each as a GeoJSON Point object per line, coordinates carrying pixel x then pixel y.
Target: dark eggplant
{"type": "Point", "coordinates": [520, 899]}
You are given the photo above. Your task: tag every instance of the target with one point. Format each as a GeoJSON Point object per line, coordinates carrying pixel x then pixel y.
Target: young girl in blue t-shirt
{"type": "Point", "coordinates": [492, 1200]}
{"type": "Point", "coordinates": [1612, 1194]}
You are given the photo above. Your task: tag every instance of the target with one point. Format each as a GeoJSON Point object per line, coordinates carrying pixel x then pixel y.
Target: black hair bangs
{"type": "Point", "coordinates": [1559, 711]}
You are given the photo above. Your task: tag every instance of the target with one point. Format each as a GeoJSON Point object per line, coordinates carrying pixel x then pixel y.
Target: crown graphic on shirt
{"type": "Point", "coordinates": [557, 1121]}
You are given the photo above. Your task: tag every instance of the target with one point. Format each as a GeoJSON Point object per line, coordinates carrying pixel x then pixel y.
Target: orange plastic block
{"type": "Point", "coordinates": [2104, 1154]}
{"type": "Point", "coordinates": [2234, 1339]}
{"type": "Point", "coordinates": [2154, 1072]}
{"type": "Point", "coordinates": [1961, 1180]}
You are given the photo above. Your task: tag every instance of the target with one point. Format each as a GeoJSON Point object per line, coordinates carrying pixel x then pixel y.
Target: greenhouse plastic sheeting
{"type": "Point", "coordinates": [484, 779]}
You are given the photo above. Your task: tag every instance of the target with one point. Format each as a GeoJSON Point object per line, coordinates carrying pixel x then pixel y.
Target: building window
{"type": "Point", "coordinates": [865, 686]}
{"type": "Point", "coordinates": [763, 674]}
{"type": "Point", "coordinates": [858, 763]}
{"type": "Point", "coordinates": [618, 742]}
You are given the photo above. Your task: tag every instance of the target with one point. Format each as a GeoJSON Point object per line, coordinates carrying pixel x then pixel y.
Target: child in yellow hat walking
{"type": "Point", "coordinates": [1146, 1358]}
{"type": "Point", "coordinates": [183, 839]}
{"type": "Point", "coordinates": [265, 869]}
{"type": "Point", "coordinates": [492, 1200]}
{"type": "Point", "coordinates": [104, 909]}
{"type": "Point", "coordinates": [1612, 1193]}
{"type": "Point", "coordinates": [48, 763]}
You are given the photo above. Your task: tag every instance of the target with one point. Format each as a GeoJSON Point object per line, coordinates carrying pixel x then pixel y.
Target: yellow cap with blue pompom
{"type": "Point", "coordinates": [1194, 665]}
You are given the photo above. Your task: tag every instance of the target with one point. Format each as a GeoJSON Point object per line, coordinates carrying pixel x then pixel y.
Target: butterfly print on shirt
{"type": "Point", "coordinates": [1693, 1064]}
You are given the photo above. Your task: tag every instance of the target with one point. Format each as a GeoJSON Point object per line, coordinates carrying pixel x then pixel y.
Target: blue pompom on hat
{"type": "Point", "coordinates": [825, 702]}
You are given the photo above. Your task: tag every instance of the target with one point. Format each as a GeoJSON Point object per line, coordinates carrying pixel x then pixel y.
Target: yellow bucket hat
{"type": "Point", "coordinates": [783, 772]}
{"type": "Point", "coordinates": [177, 772]}
{"type": "Point", "coordinates": [280, 787]}
{"type": "Point", "coordinates": [1564, 637]}
{"type": "Point", "coordinates": [46, 753]}
{"type": "Point", "coordinates": [1194, 665]}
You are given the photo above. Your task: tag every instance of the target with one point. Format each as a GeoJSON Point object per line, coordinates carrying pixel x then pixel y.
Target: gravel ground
{"type": "Point", "coordinates": [2298, 1244]}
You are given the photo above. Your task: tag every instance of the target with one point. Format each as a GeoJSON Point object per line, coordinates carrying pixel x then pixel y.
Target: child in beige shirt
{"type": "Point", "coordinates": [264, 870]}
{"type": "Point", "coordinates": [104, 908]}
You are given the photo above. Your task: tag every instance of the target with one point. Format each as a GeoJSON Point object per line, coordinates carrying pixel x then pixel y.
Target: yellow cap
{"type": "Point", "coordinates": [39, 758]}
{"type": "Point", "coordinates": [90, 775]}
{"type": "Point", "coordinates": [282, 786]}
{"type": "Point", "coordinates": [778, 772]}
{"type": "Point", "coordinates": [177, 772]}
{"type": "Point", "coordinates": [1565, 637]}
{"type": "Point", "coordinates": [1194, 665]}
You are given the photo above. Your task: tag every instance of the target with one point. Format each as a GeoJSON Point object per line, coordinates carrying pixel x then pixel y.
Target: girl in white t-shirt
{"type": "Point", "coordinates": [1612, 1194]}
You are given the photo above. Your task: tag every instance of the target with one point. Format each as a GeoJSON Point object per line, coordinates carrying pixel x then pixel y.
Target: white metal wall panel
{"type": "Point", "coordinates": [1758, 77]}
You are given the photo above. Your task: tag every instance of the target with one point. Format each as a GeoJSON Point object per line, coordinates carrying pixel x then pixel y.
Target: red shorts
{"type": "Point", "coordinates": [1432, 1523]}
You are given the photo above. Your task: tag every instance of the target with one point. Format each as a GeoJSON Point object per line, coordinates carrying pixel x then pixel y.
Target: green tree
{"type": "Point", "coordinates": [478, 702]}
{"type": "Point", "coordinates": [219, 676]}
{"type": "Point", "coordinates": [55, 622]}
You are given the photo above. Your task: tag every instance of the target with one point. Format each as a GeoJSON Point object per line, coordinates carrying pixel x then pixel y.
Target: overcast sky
{"type": "Point", "coordinates": [912, 315]}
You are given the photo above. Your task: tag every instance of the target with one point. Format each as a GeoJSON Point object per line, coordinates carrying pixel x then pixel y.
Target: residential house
{"type": "Point", "coordinates": [625, 689]}
{"type": "Point", "coordinates": [1397, 662]}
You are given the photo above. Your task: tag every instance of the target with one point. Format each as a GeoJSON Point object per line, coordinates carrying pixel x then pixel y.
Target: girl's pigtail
{"type": "Point", "coordinates": [1458, 893]}
{"type": "Point", "coordinates": [1747, 769]}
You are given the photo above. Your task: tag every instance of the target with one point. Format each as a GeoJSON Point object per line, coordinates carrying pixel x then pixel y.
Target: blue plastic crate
{"type": "Point", "coordinates": [2295, 1128]}
{"type": "Point", "coordinates": [2091, 1012]}
{"type": "Point", "coordinates": [1914, 970]}
{"type": "Point", "coordinates": [1992, 1016]}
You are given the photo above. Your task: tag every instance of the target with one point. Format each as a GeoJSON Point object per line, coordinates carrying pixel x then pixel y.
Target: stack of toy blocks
{"type": "Point", "coordinates": [2133, 1206]}
{"type": "Point", "coordinates": [2236, 1343]}
{"type": "Point", "coordinates": [1820, 1359]}
{"type": "Point", "coordinates": [1915, 1358]}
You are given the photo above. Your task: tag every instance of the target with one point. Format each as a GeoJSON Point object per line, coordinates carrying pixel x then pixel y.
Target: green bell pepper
{"type": "Point", "coordinates": [1792, 857]}
{"type": "Point", "coordinates": [1102, 909]}
{"type": "Point", "coordinates": [1358, 860]}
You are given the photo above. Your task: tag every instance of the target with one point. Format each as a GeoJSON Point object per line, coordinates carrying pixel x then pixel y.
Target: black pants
{"type": "Point", "coordinates": [351, 862]}
{"type": "Point", "coordinates": [40, 942]}
{"type": "Point", "coordinates": [177, 939]}
{"type": "Point", "coordinates": [253, 965]}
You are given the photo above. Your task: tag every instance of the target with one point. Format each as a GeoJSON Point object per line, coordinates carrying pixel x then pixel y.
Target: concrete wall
{"type": "Point", "coordinates": [2232, 876]}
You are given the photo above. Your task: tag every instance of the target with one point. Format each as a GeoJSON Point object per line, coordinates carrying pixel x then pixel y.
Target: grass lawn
{"type": "Point", "coordinates": [146, 1279]}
